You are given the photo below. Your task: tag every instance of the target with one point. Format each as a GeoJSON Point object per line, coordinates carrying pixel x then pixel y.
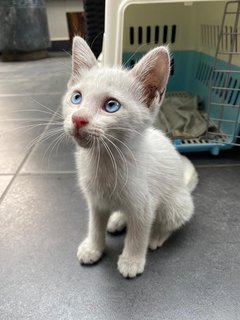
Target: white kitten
{"type": "Point", "coordinates": [126, 168]}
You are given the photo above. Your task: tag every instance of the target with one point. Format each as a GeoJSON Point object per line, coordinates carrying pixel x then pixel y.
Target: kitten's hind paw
{"type": "Point", "coordinates": [117, 222]}
{"type": "Point", "coordinates": [156, 241]}
{"type": "Point", "coordinates": [131, 267]}
{"type": "Point", "coordinates": [88, 253]}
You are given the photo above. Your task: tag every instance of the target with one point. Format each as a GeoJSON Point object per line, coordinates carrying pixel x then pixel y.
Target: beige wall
{"type": "Point", "coordinates": [198, 24]}
{"type": "Point", "coordinates": [187, 18]}
{"type": "Point", "coordinates": [56, 13]}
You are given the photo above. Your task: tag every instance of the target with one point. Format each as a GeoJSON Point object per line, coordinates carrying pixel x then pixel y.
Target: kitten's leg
{"type": "Point", "coordinates": [133, 258]}
{"type": "Point", "coordinates": [117, 222]}
{"type": "Point", "coordinates": [91, 249]}
{"type": "Point", "coordinates": [170, 217]}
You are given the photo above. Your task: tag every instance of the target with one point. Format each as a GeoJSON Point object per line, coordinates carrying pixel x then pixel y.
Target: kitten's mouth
{"type": "Point", "coordinates": [85, 139]}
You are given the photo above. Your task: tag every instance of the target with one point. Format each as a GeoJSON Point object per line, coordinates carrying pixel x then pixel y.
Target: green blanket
{"type": "Point", "coordinates": [179, 117]}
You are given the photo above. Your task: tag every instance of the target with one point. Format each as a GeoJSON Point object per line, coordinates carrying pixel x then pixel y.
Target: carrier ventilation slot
{"type": "Point", "coordinates": [194, 141]}
{"type": "Point", "coordinates": [132, 63]}
{"type": "Point", "coordinates": [204, 141]}
{"type": "Point", "coordinates": [227, 88]}
{"type": "Point", "coordinates": [157, 34]}
{"type": "Point", "coordinates": [148, 34]}
{"type": "Point", "coordinates": [204, 71]}
{"type": "Point", "coordinates": [131, 35]}
{"type": "Point", "coordinates": [139, 35]}
{"type": "Point", "coordinates": [152, 34]}
{"type": "Point", "coordinates": [172, 67]}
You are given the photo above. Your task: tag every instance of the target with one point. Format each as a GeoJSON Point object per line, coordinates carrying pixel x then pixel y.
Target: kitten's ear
{"type": "Point", "coordinates": [153, 72]}
{"type": "Point", "coordinates": [82, 59]}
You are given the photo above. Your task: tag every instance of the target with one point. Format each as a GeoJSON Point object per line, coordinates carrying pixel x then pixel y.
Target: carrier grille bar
{"type": "Point", "coordinates": [224, 90]}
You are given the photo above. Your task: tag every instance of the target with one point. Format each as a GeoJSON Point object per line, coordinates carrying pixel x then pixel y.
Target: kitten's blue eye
{"type": "Point", "coordinates": [76, 98]}
{"type": "Point", "coordinates": [112, 106]}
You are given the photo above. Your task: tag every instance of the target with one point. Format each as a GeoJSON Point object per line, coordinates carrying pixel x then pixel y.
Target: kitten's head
{"type": "Point", "coordinates": [111, 103]}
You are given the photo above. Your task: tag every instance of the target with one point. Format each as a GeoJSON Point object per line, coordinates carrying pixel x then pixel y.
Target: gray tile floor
{"type": "Point", "coordinates": [195, 275]}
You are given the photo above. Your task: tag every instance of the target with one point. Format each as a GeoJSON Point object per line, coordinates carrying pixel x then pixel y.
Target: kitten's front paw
{"type": "Point", "coordinates": [131, 267]}
{"type": "Point", "coordinates": [88, 253]}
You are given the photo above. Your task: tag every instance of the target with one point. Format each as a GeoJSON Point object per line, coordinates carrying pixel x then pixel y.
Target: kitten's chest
{"type": "Point", "coordinates": [104, 177]}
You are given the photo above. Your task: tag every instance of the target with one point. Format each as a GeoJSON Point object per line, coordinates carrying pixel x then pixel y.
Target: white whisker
{"type": "Point", "coordinates": [35, 111]}
{"type": "Point", "coordinates": [125, 145]}
{"type": "Point", "coordinates": [126, 129]}
{"type": "Point", "coordinates": [98, 159]}
{"type": "Point", "coordinates": [123, 158]}
{"type": "Point", "coordinates": [62, 137]}
{"type": "Point", "coordinates": [52, 143]}
{"type": "Point", "coordinates": [113, 163]}
{"type": "Point", "coordinates": [56, 113]}
{"type": "Point", "coordinates": [43, 136]}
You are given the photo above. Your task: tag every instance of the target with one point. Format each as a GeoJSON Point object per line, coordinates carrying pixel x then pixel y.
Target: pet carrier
{"type": "Point", "coordinates": [204, 40]}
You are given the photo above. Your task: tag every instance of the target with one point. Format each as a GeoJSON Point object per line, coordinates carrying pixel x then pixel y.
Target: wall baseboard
{"type": "Point", "coordinates": [57, 45]}
{"type": "Point", "coordinates": [60, 45]}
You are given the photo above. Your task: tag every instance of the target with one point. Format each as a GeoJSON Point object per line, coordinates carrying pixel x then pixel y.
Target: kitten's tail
{"type": "Point", "coordinates": [190, 174]}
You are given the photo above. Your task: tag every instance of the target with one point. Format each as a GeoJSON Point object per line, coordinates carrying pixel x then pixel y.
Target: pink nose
{"type": "Point", "coordinates": [78, 121]}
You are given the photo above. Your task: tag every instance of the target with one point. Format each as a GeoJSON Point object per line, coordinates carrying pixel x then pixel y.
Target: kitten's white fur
{"type": "Point", "coordinates": [126, 168]}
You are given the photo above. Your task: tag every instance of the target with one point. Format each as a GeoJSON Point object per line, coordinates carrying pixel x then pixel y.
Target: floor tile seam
{"type": "Point", "coordinates": [24, 120]}
{"type": "Point", "coordinates": [6, 95]}
{"type": "Point", "coordinates": [28, 154]}
{"type": "Point", "coordinates": [74, 172]}
{"type": "Point", "coordinates": [3, 174]}
{"type": "Point", "coordinates": [7, 188]}
{"type": "Point", "coordinates": [51, 173]}
{"type": "Point", "coordinates": [70, 172]}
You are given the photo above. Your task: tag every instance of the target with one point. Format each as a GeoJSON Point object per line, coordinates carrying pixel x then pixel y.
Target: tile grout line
{"type": "Point", "coordinates": [9, 95]}
{"type": "Point", "coordinates": [31, 150]}
{"type": "Point", "coordinates": [230, 165]}
{"type": "Point", "coordinates": [70, 172]}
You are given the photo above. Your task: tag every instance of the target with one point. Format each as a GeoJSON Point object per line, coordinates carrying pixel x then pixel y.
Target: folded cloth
{"type": "Point", "coordinates": [179, 117]}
